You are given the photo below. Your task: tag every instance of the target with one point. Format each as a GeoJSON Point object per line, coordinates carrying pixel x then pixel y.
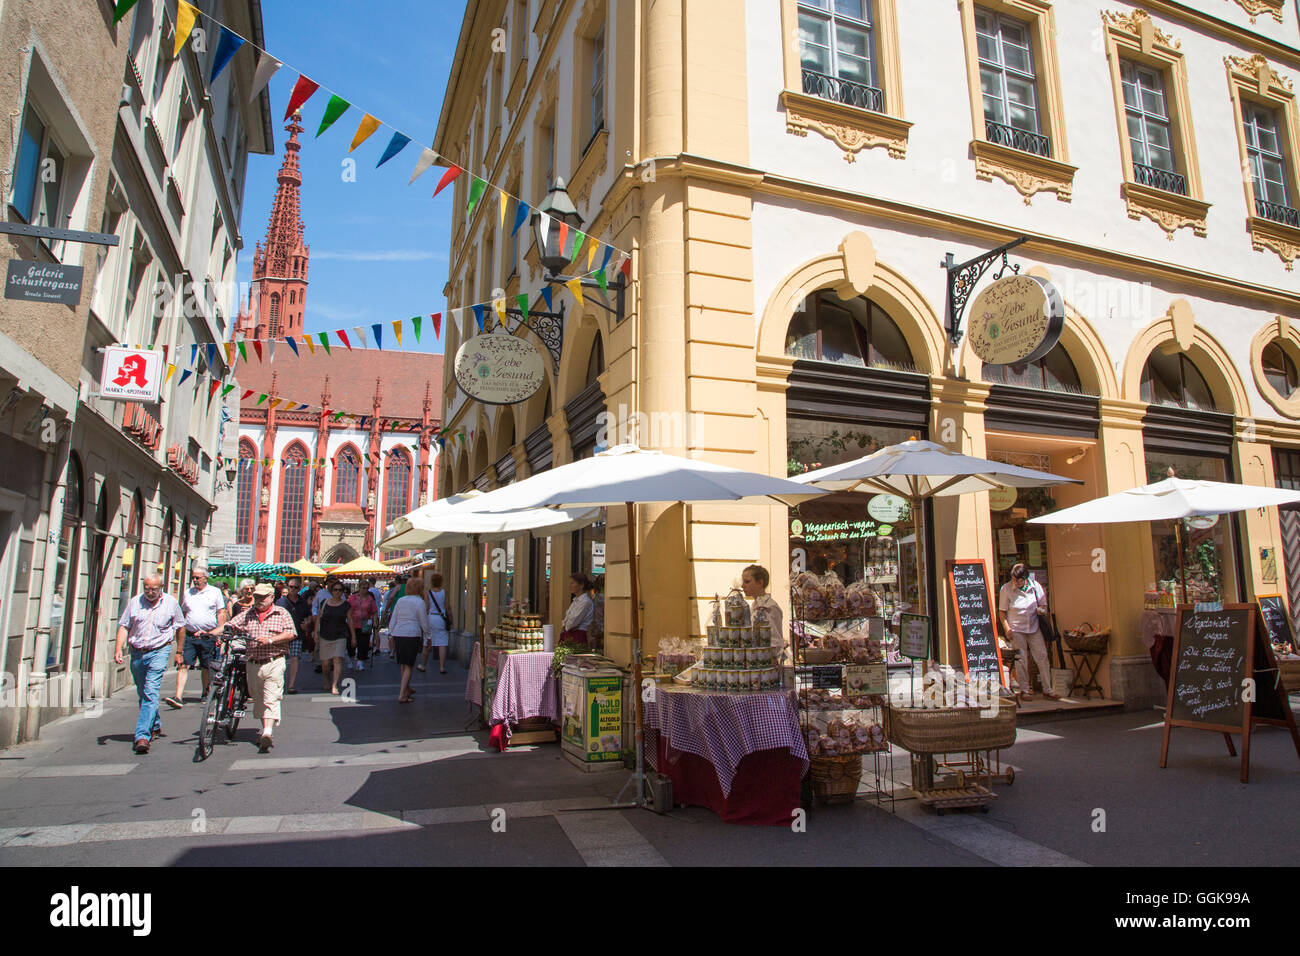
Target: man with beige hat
{"type": "Point", "coordinates": [270, 629]}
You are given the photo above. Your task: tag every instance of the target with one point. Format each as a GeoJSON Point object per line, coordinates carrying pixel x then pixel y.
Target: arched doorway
{"type": "Point", "coordinates": [340, 554]}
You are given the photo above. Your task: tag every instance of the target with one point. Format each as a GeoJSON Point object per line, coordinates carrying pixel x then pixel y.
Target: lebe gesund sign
{"type": "Point", "coordinates": [499, 368]}
{"type": "Point", "coordinates": [1016, 320]}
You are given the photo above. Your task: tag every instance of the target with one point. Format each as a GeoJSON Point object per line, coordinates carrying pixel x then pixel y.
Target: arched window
{"type": "Point", "coordinates": [1054, 372]}
{"type": "Point", "coordinates": [397, 485]}
{"type": "Point", "coordinates": [246, 496]}
{"type": "Point", "coordinates": [857, 332]}
{"type": "Point", "coordinates": [596, 360]}
{"type": "Point", "coordinates": [130, 577]}
{"type": "Point", "coordinates": [347, 476]}
{"type": "Point", "coordinates": [293, 504]}
{"type": "Point", "coordinates": [67, 568]}
{"type": "Point", "coordinates": [273, 326]}
{"type": "Point", "coordinates": [1175, 380]}
{"type": "Point", "coordinates": [1279, 370]}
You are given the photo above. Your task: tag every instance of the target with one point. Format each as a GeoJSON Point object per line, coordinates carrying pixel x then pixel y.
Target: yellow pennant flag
{"type": "Point", "coordinates": [230, 355]}
{"type": "Point", "coordinates": [500, 306]}
{"type": "Point", "coordinates": [368, 125]}
{"type": "Point", "coordinates": [171, 370]}
{"type": "Point", "coordinates": [307, 341]}
{"type": "Point", "coordinates": [501, 200]}
{"type": "Point", "coordinates": [185, 17]}
{"type": "Point", "coordinates": [275, 402]}
{"type": "Point", "coordinates": [574, 286]}
{"type": "Point", "coordinates": [591, 252]}
{"type": "Point", "coordinates": [397, 330]}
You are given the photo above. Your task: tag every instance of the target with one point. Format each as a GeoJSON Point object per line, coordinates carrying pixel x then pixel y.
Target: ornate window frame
{"type": "Point", "coordinates": [1134, 36]}
{"type": "Point", "coordinates": [1253, 79]}
{"type": "Point", "coordinates": [849, 127]}
{"type": "Point", "coordinates": [1286, 336]}
{"type": "Point", "coordinates": [1027, 172]}
{"type": "Point", "coordinates": [1256, 7]}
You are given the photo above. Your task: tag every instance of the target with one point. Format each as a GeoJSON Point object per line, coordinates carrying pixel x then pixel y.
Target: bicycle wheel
{"type": "Point", "coordinates": [211, 719]}
{"type": "Point", "coordinates": [230, 716]}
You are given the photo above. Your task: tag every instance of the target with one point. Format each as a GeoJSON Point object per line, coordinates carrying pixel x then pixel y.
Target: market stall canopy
{"type": "Point", "coordinates": [359, 566]}
{"type": "Point", "coordinates": [307, 569]}
{"type": "Point", "coordinates": [626, 473]}
{"type": "Point", "coordinates": [924, 469]}
{"type": "Point", "coordinates": [1169, 499]}
{"type": "Point", "coordinates": [260, 567]}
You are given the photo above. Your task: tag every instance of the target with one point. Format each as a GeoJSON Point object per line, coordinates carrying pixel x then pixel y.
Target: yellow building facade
{"type": "Point", "coordinates": [788, 180]}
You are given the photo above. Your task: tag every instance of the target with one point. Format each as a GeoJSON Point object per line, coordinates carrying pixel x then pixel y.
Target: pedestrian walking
{"type": "Point", "coordinates": [299, 609]}
{"type": "Point", "coordinates": [321, 595]}
{"type": "Point", "coordinates": [149, 623]}
{"type": "Point", "coordinates": [334, 633]}
{"type": "Point", "coordinates": [439, 624]}
{"type": "Point", "coordinates": [270, 630]}
{"type": "Point", "coordinates": [205, 614]}
{"type": "Point", "coordinates": [408, 628]}
{"type": "Point", "coordinates": [365, 620]}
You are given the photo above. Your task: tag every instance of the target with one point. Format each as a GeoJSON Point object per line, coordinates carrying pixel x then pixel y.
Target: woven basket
{"type": "Point", "coordinates": [836, 779]}
{"type": "Point", "coordinates": [818, 655]}
{"type": "Point", "coordinates": [1095, 643]}
{"type": "Point", "coordinates": [923, 730]}
{"type": "Point", "coordinates": [1290, 671]}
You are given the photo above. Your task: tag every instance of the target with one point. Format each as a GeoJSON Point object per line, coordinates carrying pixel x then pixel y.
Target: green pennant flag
{"type": "Point", "coordinates": [226, 391]}
{"type": "Point", "coordinates": [261, 398]}
{"type": "Point", "coordinates": [325, 341]}
{"type": "Point", "coordinates": [578, 240]}
{"type": "Point", "coordinates": [475, 194]}
{"type": "Point", "coordinates": [415, 324]}
{"type": "Point", "coordinates": [337, 107]}
{"type": "Point", "coordinates": [338, 416]}
{"type": "Point", "coordinates": [601, 281]}
{"type": "Point", "coordinates": [243, 352]}
{"type": "Point", "coordinates": [522, 299]}
{"type": "Point", "coordinates": [122, 9]}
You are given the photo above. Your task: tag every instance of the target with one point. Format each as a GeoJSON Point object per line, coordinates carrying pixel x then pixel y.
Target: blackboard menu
{"type": "Point", "coordinates": [969, 589]}
{"type": "Point", "coordinates": [826, 676]}
{"type": "Point", "coordinates": [1276, 619]}
{"type": "Point", "coordinates": [1211, 665]}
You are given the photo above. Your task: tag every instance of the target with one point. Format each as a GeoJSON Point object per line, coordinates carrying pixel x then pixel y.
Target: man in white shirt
{"type": "Point", "coordinates": [1020, 602]}
{"type": "Point", "coordinates": [204, 608]}
{"type": "Point", "coordinates": [148, 622]}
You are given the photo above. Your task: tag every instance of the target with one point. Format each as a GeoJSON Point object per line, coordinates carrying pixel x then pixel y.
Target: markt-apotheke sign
{"type": "Point", "coordinates": [1016, 320]}
{"type": "Point", "coordinates": [499, 368]}
{"type": "Point", "coordinates": [131, 375]}
{"type": "Point", "coordinates": [43, 282]}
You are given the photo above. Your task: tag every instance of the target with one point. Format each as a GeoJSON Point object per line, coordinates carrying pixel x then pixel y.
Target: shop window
{"type": "Point", "coordinates": [1279, 370]}
{"type": "Point", "coordinates": [293, 501]}
{"type": "Point", "coordinates": [857, 332]}
{"type": "Point", "coordinates": [1209, 555]}
{"type": "Point", "coordinates": [1175, 380]}
{"type": "Point", "coordinates": [1054, 372]}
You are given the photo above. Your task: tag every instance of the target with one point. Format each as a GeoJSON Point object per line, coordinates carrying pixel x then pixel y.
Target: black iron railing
{"type": "Point", "coordinates": [843, 91]}
{"type": "Point", "coordinates": [1021, 139]}
{"type": "Point", "coordinates": [1160, 179]}
{"type": "Point", "coordinates": [1277, 213]}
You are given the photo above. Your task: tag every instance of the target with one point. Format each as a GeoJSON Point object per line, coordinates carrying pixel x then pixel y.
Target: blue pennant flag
{"type": "Point", "coordinates": [184, 375]}
{"type": "Point", "coordinates": [609, 254]}
{"type": "Point", "coordinates": [546, 294]}
{"type": "Point", "coordinates": [478, 316]}
{"type": "Point", "coordinates": [194, 352]}
{"type": "Point", "coordinates": [521, 217]}
{"type": "Point", "coordinates": [379, 335]}
{"type": "Point", "coordinates": [292, 344]}
{"type": "Point", "coordinates": [227, 46]}
{"type": "Point", "coordinates": [395, 146]}
{"type": "Point", "coordinates": [212, 354]}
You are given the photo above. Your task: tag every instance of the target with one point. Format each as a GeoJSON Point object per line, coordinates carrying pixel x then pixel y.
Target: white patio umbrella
{"type": "Point", "coordinates": [628, 475]}
{"type": "Point", "coordinates": [917, 470]}
{"type": "Point", "coordinates": [1172, 499]}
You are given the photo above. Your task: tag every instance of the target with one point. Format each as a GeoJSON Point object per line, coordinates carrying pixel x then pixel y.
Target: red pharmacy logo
{"type": "Point", "coordinates": [132, 371]}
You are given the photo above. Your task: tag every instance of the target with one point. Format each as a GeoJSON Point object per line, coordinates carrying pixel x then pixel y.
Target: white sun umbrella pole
{"type": "Point", "coordinates": [628, 475]}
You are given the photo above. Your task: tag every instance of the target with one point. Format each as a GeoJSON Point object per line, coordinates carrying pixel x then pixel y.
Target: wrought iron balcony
{"type": "Point", "coordinates": [1277, 213]}
{"type": "Point", "coordinates": [1021, 139]}
{"type": "Point", "coordinates": [1163, 179]}
{"type": "Point", "coordinates": [843, 91]}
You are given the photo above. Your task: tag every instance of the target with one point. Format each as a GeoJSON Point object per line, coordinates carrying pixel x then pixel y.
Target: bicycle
{"type": "Point", "coordinates": [227, 694]}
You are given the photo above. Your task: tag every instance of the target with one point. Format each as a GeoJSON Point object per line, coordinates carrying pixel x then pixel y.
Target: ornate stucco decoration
{"type": "Point", "coordinates": [852, 129]}
{"type": "Point", "coordinates": [1028, 173]}
{"type": "Point", "coordinates": [1141, 27]}
{"type": "Point", "coordinates": [1256, 7]}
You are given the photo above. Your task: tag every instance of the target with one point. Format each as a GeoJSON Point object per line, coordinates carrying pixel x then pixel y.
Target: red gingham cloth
{"type": "Point", "coordinates": [525, 687]}
{"type": "Point", "coordinates": [723, 728]}
{"type": "Point", "coordinates": [474, 683]}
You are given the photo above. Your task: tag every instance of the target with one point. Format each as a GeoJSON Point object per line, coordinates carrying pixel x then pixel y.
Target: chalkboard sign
{"type": "Point", "coordinates": [1213, 654]}
{"type": "Point", "coordinates": [1276, 619]}
{"type": "Point", "coordinates": [826, 676]}
{"type": "Point", "coordinates": [968, 586]}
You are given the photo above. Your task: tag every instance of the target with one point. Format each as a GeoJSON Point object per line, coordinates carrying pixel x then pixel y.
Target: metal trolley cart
{"type": "Point", "coordinates": [933, 736]}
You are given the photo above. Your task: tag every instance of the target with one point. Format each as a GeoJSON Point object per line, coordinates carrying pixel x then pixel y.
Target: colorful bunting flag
{"type": "Point", "coordinates": [478, 315]}
{"type": "Point", "coordinates": [522, 299]}
{"type": "Point", "coordinates": [212, 390]}
{"type": "Point", "coordinates": [499, 306]}
{"type": "Point", "coordinates": [335, 108]}
{"type": "Point", "coordinates": [378, 330]}
{"type": "Point", "coordinates": [186, 14]}
{"type": "Point", "coordinates": [270, 350]}
{"type": "Point", "coordinates": [293, 345]}
{"type": "Point", "coordinates": [547, 293]}
{"type": "Point", "coordinates": [185, 373]}
{"type": "Point", "coordinates": [437, 325]}
{"type": "Point", "coordinates": [228, 45]}
{"type": "Point", "coordinates": [415, 323]}
{"type": "Point", "coordinates": [475, 194]}
{"type": "Point", "coordinates": [397, 331]}
{"type": "Point", "coordinates": [343, 337]}
{"type": "Point", "coordinates": [247, 393]}
{"type": "Point", "coordinates": [243, 352]}
{"type": "Point", "coordinates": [361, 335]}
{"type": "Point", "coordinates": [545, 223]}
{"type": "Point", "coordinates": [171, 370]}
{"type": "Point", "coordinates": [325, 342]}
{"type": "Point", "coordinates": [194, 352]}
{"type": "Point", "coordinates": [600, 281]}
{"type": "Point", "coordinates": [564, 232]}
{"type": "Point", "coordinates": [261, 398]}
{"type": "Point", "coordinates": [230, 354]}
{"type": "Point", "coordinates": [427, 158]}
{"type": "Point", "coordinates": [257, 347]}
{"type": "Point", "coordinates": [367, 126]}
{"type": "Point", "coordinates": [625, 265]}
{"type": "Point", "coordinates": [212, 353]}
{"type": "Point", "coordinates": [591, 252]}
{"type": "Point", "coordinates": [502, 199]}
{"type": "Point", "coordinates": [122, 9]}
{"type": "Point", "coordinates": [447, 178]}
{"type": "Point", "coordinates": [395, 146]}
{"type": "Point", "coordinates": [578, 239]}
{"type": "Point", "coordinates": [574, 286]}
{"type": "Point", "coordinates": [226, 390]}
{"type": "Point", "coordinates": [267, 66]}
{"type": "Point", "coordinates": [521, 217]}
{"type": "Point", "coordinates": [275, 402]}
{"type": "Point", "coordinates": [609, 253]}
{"type": "Point", "coordinates": [302, 91]}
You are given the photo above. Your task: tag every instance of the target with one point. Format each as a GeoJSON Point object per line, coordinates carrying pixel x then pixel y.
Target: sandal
{"type": "Point", "coordinates": [419, 668]}
{"type": "Point", "coordinates": [1026, 697]}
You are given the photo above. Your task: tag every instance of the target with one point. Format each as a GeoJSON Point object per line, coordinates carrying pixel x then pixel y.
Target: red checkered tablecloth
{"type": "Point", "coordinates": [723, 728]}
{"type": "Point", "coordinates": [525, 687]}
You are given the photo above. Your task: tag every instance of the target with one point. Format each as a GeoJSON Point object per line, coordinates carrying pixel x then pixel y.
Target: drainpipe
{"type": "Point", "coordinates": [56, 469]}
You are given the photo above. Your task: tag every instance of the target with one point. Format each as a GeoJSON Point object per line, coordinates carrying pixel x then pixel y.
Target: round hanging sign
{"type": "Point", "coordinates": [1000, 499]}
{"type": "Point", "coordinates": [499, 369]}
{"type": "Point", "coordinates": [1016, 320]}
{"type": "Point", "coordinates": [888, 508]}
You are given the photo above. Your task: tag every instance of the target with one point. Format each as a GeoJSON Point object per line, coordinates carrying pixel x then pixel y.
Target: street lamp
{"type": "Point", "coordinates": [232, 472]}
{"type": "Point", "coordinates": [558, 208]}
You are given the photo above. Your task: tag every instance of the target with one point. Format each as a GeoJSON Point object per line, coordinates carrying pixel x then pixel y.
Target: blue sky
{"type": "Point", "coordinates": [378, 246]}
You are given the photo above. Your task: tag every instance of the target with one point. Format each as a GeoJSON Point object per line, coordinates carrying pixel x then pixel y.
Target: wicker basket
{"type": "Point", "coordinates": [836, 779]}
{"type": "Point", "coordinates": [931, 730]}
{"type": "Point", "coordinates": [818, 655]}
{"type": "Point", "coordinates": [1289, 668]}
{"type": "Point", "coordinates": [1093, 643]}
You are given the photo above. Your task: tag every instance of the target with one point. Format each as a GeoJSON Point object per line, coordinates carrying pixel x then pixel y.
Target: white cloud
{"type": "Point", "coordinates": [381, 255]}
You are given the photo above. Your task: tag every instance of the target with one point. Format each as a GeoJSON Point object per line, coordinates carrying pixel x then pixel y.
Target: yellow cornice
{"type": "Point", "coordinates": [1240, 36]}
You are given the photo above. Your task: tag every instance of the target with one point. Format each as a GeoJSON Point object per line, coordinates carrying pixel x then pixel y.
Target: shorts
{"type": "Point", "coordinates": [295, 647]}
{"type": "Point", "coordinates": [200, 650]}
{"type": "Point", "coordinates": [407, 649]}
{"type": "Point", "coordinates": [332, 649]}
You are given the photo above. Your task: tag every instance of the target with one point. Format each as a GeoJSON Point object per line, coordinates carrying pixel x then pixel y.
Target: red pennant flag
{"type": "Point", "coordinates": [447, 178]}
{"type": "Point", "coordinates": [247, 392]}
{"type": "Point", "coordinates": [257, 347]}
{"type": "Point", "coordinates": [302, 91]}
{"type": "Point", "coordinates": [437, 324]}
{"type": "Point", "coordinates": [212, 390]}
{"type": "Point", "coordinates": [626, 267]}
{"type": "Point", "coordinates": [344, 336]}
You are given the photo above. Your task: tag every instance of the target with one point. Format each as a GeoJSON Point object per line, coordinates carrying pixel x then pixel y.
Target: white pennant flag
{"type": "Point", "coordinates": [427, 159]}
{"type": "Point", "coordinates": [270, 350]}
{"type": "Point", "coordinates": [546, 227]}
{"type": "Point", "coordinates": [266, 68]}
{"type": "Point", "coordinates": [454, 315]}
{"type": "Point", "coordinates": [361, 335]}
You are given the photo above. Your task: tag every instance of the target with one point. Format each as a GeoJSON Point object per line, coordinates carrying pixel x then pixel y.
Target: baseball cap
{"type": "Point", "coordinates": [263, 589]}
